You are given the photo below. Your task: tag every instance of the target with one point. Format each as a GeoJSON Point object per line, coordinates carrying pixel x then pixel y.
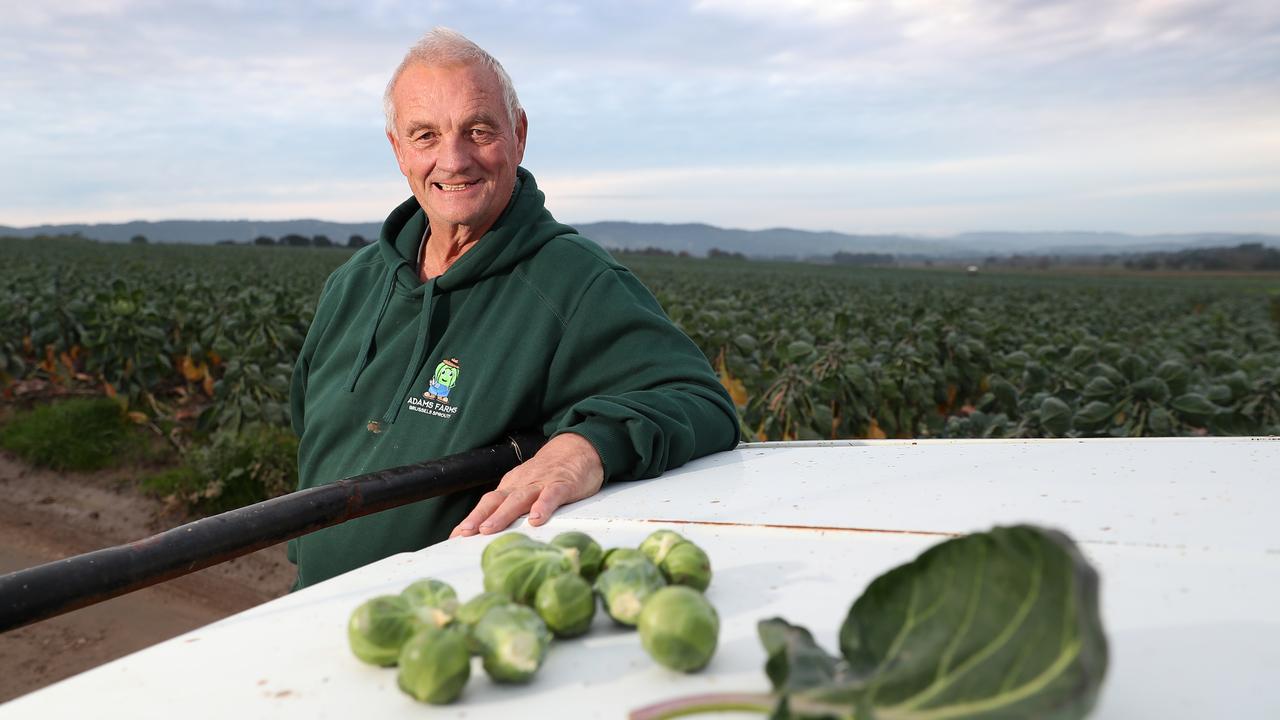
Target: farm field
{"type": "Point", "coordinates": [209, 334]}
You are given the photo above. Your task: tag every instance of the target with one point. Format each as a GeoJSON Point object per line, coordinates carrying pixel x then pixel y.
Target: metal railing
{"type": "Point", "coordinates": [58, 587]}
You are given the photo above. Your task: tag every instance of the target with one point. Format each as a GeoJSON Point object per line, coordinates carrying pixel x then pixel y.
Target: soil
{"type": "Point", "coordinates": [47, 516]}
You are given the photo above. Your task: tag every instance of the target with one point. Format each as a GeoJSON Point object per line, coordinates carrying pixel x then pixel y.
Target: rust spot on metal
{"type": "Point", "coordinates": [815, 528]}
{"type": "Point", "coordinates": [355, 499]}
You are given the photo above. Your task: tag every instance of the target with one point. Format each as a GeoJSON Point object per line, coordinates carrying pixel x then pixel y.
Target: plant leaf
{"type": "Point", "coordinates": [997, 624]}
{"type": "Point", "coordinates": [1055, 416]}
{"type": "Point", "coordinates": [1194, 404]}
{"type": "Point", "coordinates": [795, 661]}
{"type": "Point", "coordinates": [1095, 413]}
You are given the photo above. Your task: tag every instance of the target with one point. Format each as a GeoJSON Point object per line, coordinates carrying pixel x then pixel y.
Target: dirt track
{"type": "Point", "coordinates": [46, 516]}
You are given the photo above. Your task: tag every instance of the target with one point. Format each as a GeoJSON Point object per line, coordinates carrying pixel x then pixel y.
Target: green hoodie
{"type": "Point", "coordinates": [534, 327]}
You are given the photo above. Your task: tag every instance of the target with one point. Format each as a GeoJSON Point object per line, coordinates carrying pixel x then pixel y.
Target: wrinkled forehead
{"type": "Point", "coordinates": [436, 93]}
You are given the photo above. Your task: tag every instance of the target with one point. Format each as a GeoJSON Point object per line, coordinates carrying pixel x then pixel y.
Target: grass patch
{"type": "Point", "coordinates": [231, 470]}
{"type": "Point", "coordinates": [80, 434]}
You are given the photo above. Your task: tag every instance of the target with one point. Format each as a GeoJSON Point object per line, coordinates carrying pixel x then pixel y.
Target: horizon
{"type": "Point", "coordinates": [905, 235]}
{"type": "Point", "coordinates": [863, 118]}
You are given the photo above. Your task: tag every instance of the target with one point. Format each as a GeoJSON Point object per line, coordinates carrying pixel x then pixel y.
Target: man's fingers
{"type": "Point", "coordinates": [551, 497]}
{"type": "Point", "coordinates": [516, 504]}
{"type": "Point", "coordinates": [566, 469]}
{"type": "Point", "coordinates": [489, 502]}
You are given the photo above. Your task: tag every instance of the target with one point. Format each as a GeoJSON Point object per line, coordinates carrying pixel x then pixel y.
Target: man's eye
{"type": "Point", "coordinates": [425, 137]}
{"type": "Point", "coordinates": [480, 134]}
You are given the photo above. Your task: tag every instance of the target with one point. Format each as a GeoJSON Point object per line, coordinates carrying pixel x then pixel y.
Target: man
{"type": "Point", "coordinates": [476, 314]}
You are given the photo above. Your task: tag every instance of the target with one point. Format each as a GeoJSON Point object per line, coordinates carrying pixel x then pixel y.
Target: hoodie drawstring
{"type": "Point", "coordinates": [362, 359]}
{"type": "Point", "coordinates": [419, 355]}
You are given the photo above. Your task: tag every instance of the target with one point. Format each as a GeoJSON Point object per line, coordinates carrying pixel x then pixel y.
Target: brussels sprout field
{"type": "Point", "coordinates": [807, 351]}
{"type": "Point", "coordinates": [175, 330]}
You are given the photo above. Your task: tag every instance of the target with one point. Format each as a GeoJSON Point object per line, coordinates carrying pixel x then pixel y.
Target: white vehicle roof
{"type": "Point", "coordinates": [1182, 532]}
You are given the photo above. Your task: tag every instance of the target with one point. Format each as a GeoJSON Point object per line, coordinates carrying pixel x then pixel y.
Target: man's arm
{"type": "Point", "coordinates": [629, 396]}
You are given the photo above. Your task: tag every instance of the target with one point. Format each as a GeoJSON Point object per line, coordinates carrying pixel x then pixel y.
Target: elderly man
{"type": "Point", "coordinates": [476, 314]}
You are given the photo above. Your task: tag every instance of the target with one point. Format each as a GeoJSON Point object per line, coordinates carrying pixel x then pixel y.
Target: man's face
{"type": "Point", "coordinates": [455, 144]}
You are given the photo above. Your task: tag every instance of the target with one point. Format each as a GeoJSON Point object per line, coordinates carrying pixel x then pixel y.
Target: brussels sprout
{"type": "Point", "coordinates": [429, 592]}
{"type": "Point", "coordinates": [679, 628]}
{"type": "Point", "coordinates": [513, 642]}
{"type": "Point", "coordinates": [470, 612]}
{"type": "Point", "coordinates": [586, 552]}
{"type": "Point", "coordinates": [624, 587]}
{"type": "Point", "coordinates": [519, 571]}
{"type": "Point", "coordinates": [437, 597]}
{"type": "Point", "coordinates": [688, 565]}
{"type": "Point", "coordinates": [502, 544]}
{"type": "Point", "coordinates": [434, 665]}
{"type": "Point", "coordinates": [379, 627]}
{"type": "Point", "coordinates": [659, 543]}
{"type": "Point", "coordinates": [617, 555]}
{"type": "Point", "coordinates": [567, 604]}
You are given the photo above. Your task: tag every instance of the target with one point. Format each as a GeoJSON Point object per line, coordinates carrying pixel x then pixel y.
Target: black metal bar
{"type": "Point", "coordinates": [44, 591]}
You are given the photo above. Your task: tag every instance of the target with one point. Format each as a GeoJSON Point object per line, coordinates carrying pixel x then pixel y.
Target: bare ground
{"type": "Point", "coordinates": [46, 516]}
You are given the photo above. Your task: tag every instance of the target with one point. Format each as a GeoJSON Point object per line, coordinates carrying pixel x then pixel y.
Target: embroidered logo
{"type": "Point", "coordinates": [435, 401]}
{"type": "Point", "coordinates": [443, 381]}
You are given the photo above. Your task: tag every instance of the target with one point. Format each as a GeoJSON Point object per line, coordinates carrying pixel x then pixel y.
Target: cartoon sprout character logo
{"type": "Point", "coordinates": [443, 381]}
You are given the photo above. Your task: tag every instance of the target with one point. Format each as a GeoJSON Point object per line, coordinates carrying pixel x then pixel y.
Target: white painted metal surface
{"type": "Point", "coordinates": [1182, 532]}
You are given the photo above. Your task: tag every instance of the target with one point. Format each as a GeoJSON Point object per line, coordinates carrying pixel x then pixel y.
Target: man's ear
{"type": "Point", "coordinates": [522, 133]}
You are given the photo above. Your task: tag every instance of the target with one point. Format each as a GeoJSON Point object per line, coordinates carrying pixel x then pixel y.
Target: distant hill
{"type": "Point", "coordinates": [203, 232]}
{"type": "Point", "coordinates": [699, 239]}
{"type": "Point", "coordinates": [696, 238]}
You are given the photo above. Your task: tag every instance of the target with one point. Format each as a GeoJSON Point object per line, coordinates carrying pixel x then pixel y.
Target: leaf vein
{"type": "Point", "coordinates": [1024, 610]}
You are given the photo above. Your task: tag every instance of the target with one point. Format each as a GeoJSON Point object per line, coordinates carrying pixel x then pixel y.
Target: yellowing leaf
{"type": "Point", "coordinates": [874, 432]}
{"type": "Point", "coordinates": [190, 370]}
{"type": "Point", "coordinates": [737, 391]}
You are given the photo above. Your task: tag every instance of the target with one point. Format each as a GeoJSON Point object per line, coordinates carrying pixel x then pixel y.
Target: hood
{"type": "Point", "coordinates": [522, 229]}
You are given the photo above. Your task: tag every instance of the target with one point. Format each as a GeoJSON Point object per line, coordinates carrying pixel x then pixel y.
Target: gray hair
{"type": "Point", "coordinates": [442, 47]}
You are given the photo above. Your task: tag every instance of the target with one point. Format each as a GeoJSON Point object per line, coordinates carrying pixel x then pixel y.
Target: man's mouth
{"type": "Point", "coordinates": [447, 187]}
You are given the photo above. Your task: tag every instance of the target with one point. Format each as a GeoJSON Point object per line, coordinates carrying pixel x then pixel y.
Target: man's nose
{"type": "Point", "coordinates": [455, 154]}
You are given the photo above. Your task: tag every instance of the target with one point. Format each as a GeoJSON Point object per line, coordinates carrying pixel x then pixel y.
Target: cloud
{"type": "Point", "coordinates": [1207, 173]}
{"type": "Point", "coordinates": [861, 109]}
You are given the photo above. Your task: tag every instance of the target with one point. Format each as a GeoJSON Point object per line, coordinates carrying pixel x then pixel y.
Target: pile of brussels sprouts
{"type": "Point", "coordinates": [532, 592]}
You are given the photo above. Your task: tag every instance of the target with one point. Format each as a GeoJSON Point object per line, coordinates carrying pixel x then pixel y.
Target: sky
{"type": "Point", "coordinates": [925, 117]}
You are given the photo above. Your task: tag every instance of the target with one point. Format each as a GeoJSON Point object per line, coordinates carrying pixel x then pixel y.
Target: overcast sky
{"type": "Point", "coordinates": [917, 116]}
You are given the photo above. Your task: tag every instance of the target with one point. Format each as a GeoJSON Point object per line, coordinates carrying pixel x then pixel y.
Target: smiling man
{"type": "Point", "coordinates": [477, 314]}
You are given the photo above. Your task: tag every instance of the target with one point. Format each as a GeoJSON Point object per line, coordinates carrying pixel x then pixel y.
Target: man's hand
{"type": "Point", "coordinates": [565, 470]}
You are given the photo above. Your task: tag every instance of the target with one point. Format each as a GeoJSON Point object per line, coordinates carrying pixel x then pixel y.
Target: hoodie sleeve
{"type": "Point", "coordinates": [635, 386]}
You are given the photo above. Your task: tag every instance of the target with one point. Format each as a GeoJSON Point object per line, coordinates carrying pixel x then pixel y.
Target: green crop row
{"type": "Point", "coordinates": [808, 352]}
{"type": "Point", "coordinates": [823, 352]}
{"type": "Point", "coordinates": [171, 329]}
